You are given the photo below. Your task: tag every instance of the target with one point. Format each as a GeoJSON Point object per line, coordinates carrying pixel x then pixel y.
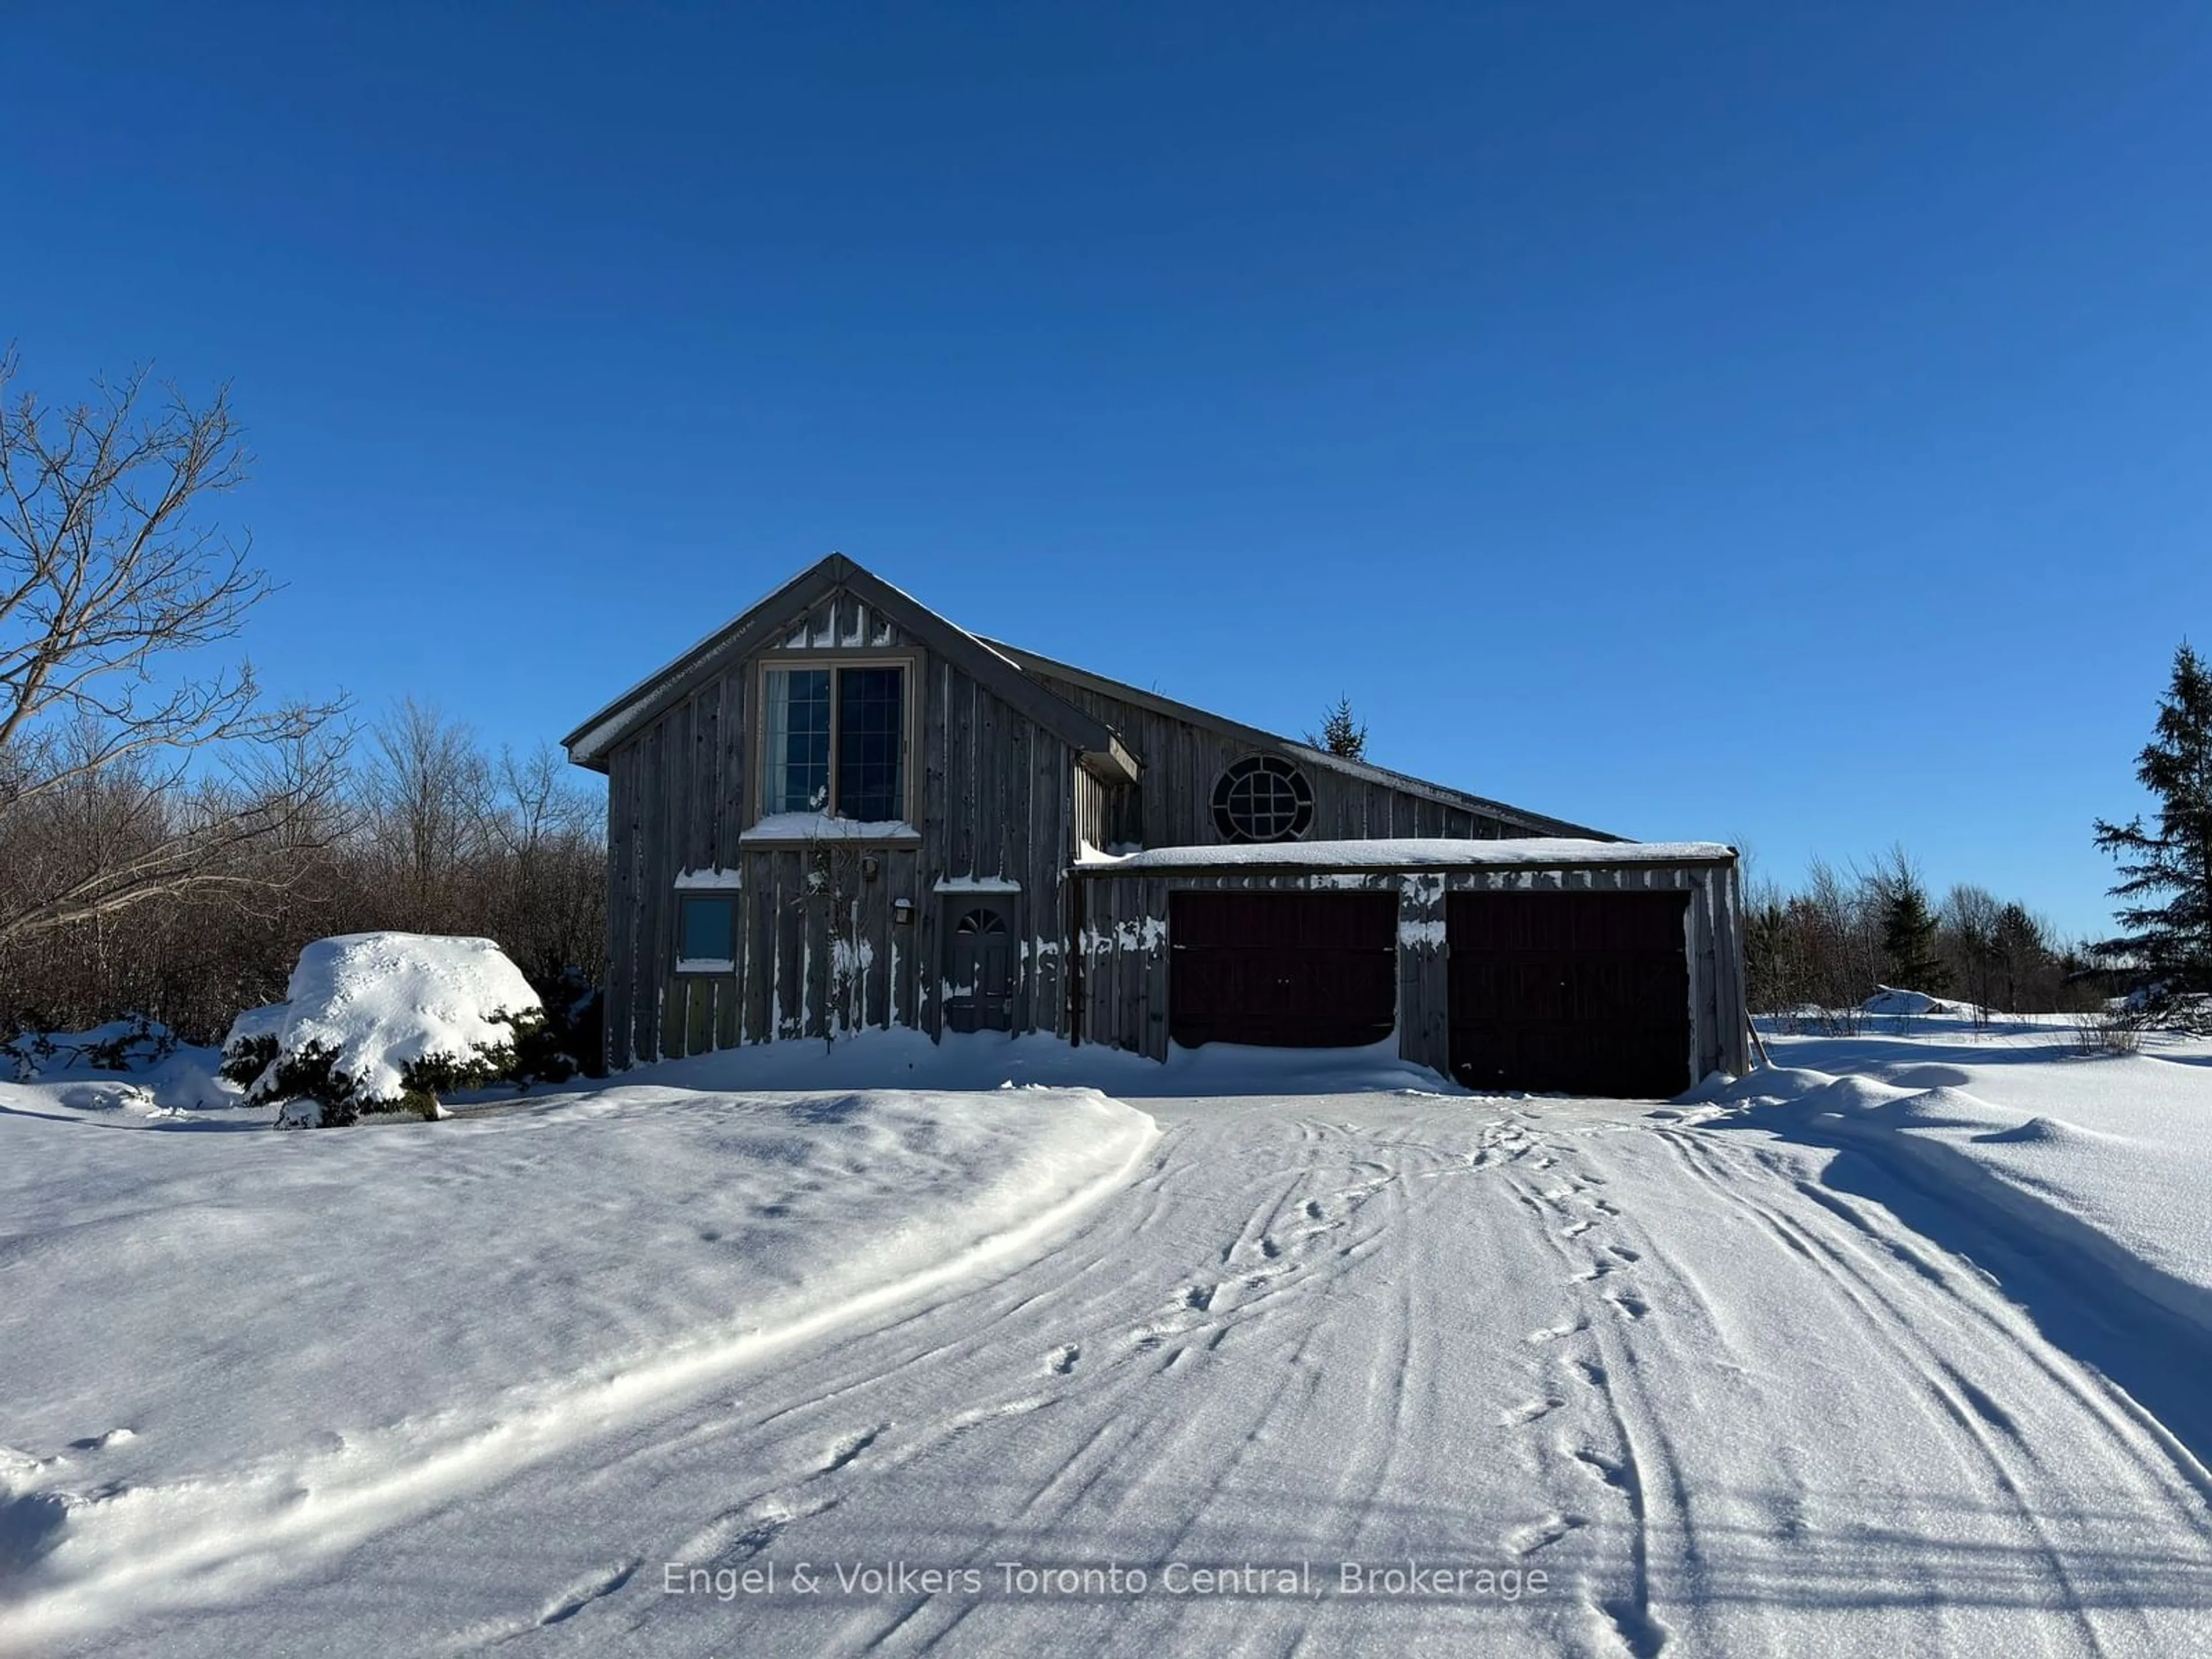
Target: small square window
{"type": "Point", "coordinates": [708, 934]}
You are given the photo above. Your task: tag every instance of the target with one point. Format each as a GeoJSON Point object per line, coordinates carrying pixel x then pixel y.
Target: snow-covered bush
{"type": "Point", "coordinates": [250, 1047]}
{"type": "Point", "coordinates": [2161, 1006]}
{"type": "Point", "coordinates": [1888, 999]}
{"type": "Point", "coordinates": [132, 1043]}
{"type": "Point", "coordinates": [387, 1022]}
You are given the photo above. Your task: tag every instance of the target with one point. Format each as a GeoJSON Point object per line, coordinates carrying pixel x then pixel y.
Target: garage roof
{"type": "Point", "coordinates": [1544, 852]}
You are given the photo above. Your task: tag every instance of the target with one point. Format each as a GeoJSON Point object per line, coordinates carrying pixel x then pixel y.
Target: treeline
{"type": "Point", "coordinates": [1831, 944]}
{"type": "Point", "coordinates": [413, 824]}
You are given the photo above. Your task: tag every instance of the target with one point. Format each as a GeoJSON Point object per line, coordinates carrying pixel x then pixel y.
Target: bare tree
{"type": "Point", "coordinates": [429, 806]}
{"type": "Point", "coordinates": [109, 582]}
{"type": "Point", "coordinates": [1968, 926]}
{"type": "Point", "coordinates": [552, 903]}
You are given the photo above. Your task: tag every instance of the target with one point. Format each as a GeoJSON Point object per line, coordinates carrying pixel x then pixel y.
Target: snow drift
{"type": "Point", "coordinates": [317, 1349]}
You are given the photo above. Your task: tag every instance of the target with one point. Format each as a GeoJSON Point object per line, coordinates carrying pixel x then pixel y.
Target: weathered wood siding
{"type": "Point", "coordinates": [995, 799]}
{"type": "Point", "coordinates": [999, 804]}
{"type": "Point", "coordinates": [1172, 805]}
{"type": "Point", "coordinates": [1002, 801]}
{"type": "Point", "coordinates": [1125, 956]}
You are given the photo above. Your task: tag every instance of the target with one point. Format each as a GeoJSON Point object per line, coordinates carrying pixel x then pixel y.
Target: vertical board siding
{"type": "Point", "coordinates": [622, 910]}
{"type": "Point", "coordinates": [654, 862]}
{"type": "Point", "coordinates": [1179, 762]}
{"type": "Point", "coordinates": [997, 798]}
{"type": "Point", "coordinates": [1127, 957]}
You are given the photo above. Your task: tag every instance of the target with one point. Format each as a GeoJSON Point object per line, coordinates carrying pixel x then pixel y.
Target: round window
{"type": "Point", "coordinates": [1262, 797]}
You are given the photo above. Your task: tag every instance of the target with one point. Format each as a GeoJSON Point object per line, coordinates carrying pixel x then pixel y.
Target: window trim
{"type": "Point", "coordinates": [1285, 771]}
{"type": "Point", "coordinates": [717, 894]}
{"type": "Point", "coordinates": [756, 726]}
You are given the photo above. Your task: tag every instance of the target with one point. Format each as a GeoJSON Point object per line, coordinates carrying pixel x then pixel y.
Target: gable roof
{"type": "Point", "coordinates": [591, 742]}
{"type": "Point", "coordinates": [1306, 753]}
{"type": "Point", "coordinates": [1015, 675]}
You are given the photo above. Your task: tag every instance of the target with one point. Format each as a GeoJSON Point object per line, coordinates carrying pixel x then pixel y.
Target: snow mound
{"type": "Point", "coordinates": [2105, 1159]}
{"type": "Point", "coordinates": [134, 1066]}
{"type": "Point", "coordinates": [611, 1254]}
{"type": "Point", "coordinates": [993, 1060]}
{"type": "Point", "coordinates": [380, 1004]}
{"type": "Point", "coordinates": [1887, 999]}
{"type": "Point", "coordinates": [121, 1045]}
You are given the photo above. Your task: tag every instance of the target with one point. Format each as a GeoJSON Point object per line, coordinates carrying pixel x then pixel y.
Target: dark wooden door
{"type": "Point", "coordinates": [1283, 970]}
{"type": "Point", "coordinates": [979, 972]}
{"type": "Point", "coordinates": [1583, 993]}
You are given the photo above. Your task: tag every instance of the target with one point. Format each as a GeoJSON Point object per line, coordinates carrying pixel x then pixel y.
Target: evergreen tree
{"type": "Point", "coordinates": [2170, 941]}
{"type": "Point", "coordinates": [2022, 953]}
{"type": "Point", "coordinates": [1908, 935]}
{"type": "Point", "coordinates": [1340, 733]}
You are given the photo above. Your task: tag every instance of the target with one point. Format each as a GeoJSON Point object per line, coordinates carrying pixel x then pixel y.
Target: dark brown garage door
{"type": "Point", "coordinates": [1290, 971]}
{"type": "Point", "coordinates": [1586, 993]}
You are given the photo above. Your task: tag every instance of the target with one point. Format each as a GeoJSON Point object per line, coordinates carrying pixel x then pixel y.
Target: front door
{"type": "Point", "coordinates": [980, 971]}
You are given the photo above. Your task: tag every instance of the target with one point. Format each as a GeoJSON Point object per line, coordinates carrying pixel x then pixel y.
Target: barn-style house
{"type": "Point", "coordinates": [842, 810]}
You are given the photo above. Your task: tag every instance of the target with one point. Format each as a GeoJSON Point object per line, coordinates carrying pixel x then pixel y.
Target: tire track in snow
{"type": "Point", "coordinates": [1199, 1313]}
{"type": "Point", "coordinates": [1986, 1433]}
{"type": "Point", "coordinates": [2125, 1421]}
{"type": "Point", "coordinates": [251, 1525]}
{"type": "Point", "coordinates": [1979, 1299]}
{"type": "Point", "coordinates": [982, 1448]}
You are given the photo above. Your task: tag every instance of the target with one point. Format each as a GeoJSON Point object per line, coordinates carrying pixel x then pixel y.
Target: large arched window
{"type": "Point", "coordinates": [1262, 797]}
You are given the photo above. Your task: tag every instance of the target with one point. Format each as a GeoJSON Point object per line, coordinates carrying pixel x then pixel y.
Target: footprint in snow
{"type": "Point", "coordinates": [586, 1590]}
{"type": "Point", "coordinates": [1601, 1467]}
{"type": "Point", "coordinates": [1634, 1306]}
{"type": "Point", "coordinates": [1542, 1535]}
{"type": "Point", "coordinates": [1528, 1411]}
{"type": "Point", "coordinates": [737, 1535]}
{"type": "Point", "coordinates": [851, 1447]}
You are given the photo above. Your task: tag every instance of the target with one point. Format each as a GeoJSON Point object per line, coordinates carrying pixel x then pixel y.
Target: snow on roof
{"type": "Point", "coordinates": [1409, 853]}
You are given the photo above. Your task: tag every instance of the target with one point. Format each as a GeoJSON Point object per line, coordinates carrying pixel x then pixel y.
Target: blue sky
{"type": "Point", "coordinates": [1783, 423]}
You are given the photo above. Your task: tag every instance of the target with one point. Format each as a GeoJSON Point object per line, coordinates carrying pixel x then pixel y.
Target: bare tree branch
{"type": "Point", "coordinates": [108, 584]}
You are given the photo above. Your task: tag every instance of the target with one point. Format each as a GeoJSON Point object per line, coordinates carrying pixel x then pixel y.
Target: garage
{"type": "Point", "coordinates": [1581, 993]}
{"type": "Point", "coordinates": [1282, 969]}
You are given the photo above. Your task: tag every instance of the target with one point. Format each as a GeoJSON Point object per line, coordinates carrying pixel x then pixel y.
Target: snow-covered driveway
{"type": "Point", "coordinates": [1724, 1408]}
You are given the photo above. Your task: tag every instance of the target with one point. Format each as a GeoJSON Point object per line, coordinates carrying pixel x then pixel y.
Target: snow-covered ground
{"type": "Point", "coordinates": [1847, 1360]}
